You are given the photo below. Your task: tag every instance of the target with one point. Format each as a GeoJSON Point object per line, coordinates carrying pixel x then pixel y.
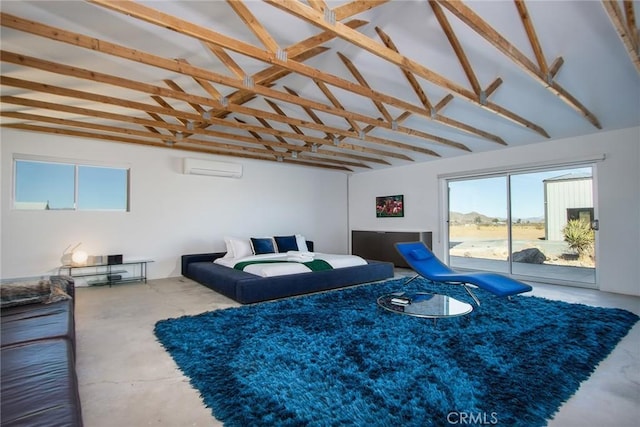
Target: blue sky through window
{"type": "Point", "coordinates": [488, 196]}
{"type": "Point", "coordinates": [102, 188]}
{"type": "Point", "coordinates": [39, 183]}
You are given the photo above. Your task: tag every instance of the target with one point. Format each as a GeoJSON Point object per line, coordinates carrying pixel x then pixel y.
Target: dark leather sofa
{"type": "Point", "coordinates": [38, 383]}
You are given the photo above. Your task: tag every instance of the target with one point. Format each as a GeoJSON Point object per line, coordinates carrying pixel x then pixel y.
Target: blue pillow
{"type": "Point", "coordinates": [262, 245]}
{"type": "Point", "coordinates": [420, 254]}
{"type": "Point", "coordinates": [286, 243]}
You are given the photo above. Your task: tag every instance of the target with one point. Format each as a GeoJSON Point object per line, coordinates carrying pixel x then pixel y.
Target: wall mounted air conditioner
{"type": "Point", "coordinates": [212, 168]}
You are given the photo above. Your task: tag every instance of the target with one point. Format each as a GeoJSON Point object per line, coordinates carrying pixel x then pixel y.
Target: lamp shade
{"type": "Point", "coordinates": [79, 258]}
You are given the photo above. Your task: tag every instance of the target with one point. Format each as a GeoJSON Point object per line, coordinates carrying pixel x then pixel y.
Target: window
{"type": "Point", "coordinates": [46, 185]}
{"type": "Point", "coordinates": [513, 222]}
{"type": "Point", "coordinates": [582, 214]}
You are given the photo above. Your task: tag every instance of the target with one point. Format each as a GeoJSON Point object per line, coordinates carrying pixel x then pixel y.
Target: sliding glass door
{"type": "Point", "coordinates": [478, 235]}
{"type": "Point", "coordinates": [531, 224]}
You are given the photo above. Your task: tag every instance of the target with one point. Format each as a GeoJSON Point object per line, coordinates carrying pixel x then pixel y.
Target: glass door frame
{"type": "Point", "coordinates": [444, 231]}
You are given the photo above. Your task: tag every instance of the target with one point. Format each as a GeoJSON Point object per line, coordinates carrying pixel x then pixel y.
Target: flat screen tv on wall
{"type": "Point", "coordinates": [390, 206]}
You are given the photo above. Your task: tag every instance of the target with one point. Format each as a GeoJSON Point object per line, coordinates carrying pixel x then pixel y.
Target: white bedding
{"type": "Point", "coordinates": [284, 267]}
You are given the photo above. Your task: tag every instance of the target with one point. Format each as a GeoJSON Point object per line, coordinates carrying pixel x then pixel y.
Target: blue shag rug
{"type": "Point", "coordinates": [336, 359]}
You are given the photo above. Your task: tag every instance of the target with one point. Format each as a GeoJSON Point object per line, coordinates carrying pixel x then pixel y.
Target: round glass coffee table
{"type": "Point", "coordinates": [422, 304]}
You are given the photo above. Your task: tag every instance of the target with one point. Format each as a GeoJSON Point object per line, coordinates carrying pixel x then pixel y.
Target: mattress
{"type": "Point", "coordinates": [288, 266]}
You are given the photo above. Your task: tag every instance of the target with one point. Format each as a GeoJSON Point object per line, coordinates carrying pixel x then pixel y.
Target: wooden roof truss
{"type": "Point", "coordinates": [625, 24]}
{"type": "Point", "coordinates": [227, 125]}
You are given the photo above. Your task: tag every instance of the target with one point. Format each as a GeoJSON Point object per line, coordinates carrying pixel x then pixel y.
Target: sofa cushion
{"type": "Point", "coordinates": [37, 321]}
{"type": "Point", "coordinates": [39, 385]}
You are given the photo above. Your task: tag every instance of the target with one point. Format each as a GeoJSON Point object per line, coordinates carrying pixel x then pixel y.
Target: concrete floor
{"type": "Point", "coordinates": [127, 379]}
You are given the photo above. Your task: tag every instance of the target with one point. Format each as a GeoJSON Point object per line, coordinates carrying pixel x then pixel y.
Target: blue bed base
{"type": "Point", "coordinates": [247, 288]}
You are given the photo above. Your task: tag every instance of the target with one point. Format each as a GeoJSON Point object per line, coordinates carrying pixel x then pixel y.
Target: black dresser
{"type": "Point", "coordinates": [379, 245]}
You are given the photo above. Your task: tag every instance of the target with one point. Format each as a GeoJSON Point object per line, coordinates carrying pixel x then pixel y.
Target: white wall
{"type": "Point", "coordinates": [171, 213]}
{"type": "Point", "coordinates": [617, 192]}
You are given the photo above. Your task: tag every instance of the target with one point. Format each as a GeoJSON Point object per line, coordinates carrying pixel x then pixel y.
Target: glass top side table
{"type": "Point", "coordinates": [423, 304]}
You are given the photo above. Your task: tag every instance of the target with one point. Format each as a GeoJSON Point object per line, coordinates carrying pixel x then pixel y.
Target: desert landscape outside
{"type": "Point", "coordinates": [534, 222]}
{"type": "Point", "coordinates": [490, 241]}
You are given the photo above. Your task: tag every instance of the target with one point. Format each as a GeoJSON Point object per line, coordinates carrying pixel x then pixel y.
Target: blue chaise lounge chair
{"type": "Point", "coordinates": [427, 265]}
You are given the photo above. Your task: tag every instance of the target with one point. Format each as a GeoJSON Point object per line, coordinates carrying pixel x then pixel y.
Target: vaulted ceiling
{"type": "Point", "coordinates": [345, 85]}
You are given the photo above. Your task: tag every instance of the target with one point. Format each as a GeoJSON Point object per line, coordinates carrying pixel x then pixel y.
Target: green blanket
{"type": "Point", "coordinates": [315, 265]}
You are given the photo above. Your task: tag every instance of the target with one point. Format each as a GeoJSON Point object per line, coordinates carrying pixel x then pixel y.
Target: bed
{"type": "Point", "coordinates": [218, 272]}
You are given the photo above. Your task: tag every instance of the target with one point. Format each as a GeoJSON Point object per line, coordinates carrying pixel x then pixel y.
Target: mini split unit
{"type": "Point", "coordinates": [212, 168]}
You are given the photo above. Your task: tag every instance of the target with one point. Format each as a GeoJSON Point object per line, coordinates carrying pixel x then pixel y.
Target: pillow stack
{"type": "Point", "coordinates": [239, 248]}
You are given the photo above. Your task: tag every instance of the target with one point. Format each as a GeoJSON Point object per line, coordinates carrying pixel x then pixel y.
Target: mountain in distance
{"type": "Point", "coordinates": [472, 218]}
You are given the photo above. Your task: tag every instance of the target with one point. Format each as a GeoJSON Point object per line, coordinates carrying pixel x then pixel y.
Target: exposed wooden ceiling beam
{"type": "Point", "coordinates": [226, 59]}
{"type": "Point", "coordinates": [178, 128]}
{"type": "Point", "coordinates": [493, 86]}
{"type": "Point", "coordinates": [409, 76]}
{"type": "Point", "coordinates": [337, 104]}
{"type": "Point", "coordinates": [319, 39]}
{"type": "Point", "coordinates": [45, 65]}
{"type": "Point", "coordinates": [457, 47]}
{"type": "Point", "coordinates": [200, 148]}
{"type": "Point", "coordinates": [206, 106]}
{"type": "Point", "coordinates": [311, 114]}
{"type": "Point", "coordinates": [434, 111]}
{"type": "Point", "coordinates": [325, 155]}
{"type": "Point", "coordinates": [180, 67]}
{"type": "Point", "coordinates": [173, 138]}
{"type": "Point", "coordinates": [279, 111]}
{"type": "Point", "coordinates": [254, 25]}
{"type": "Point", "coordinates": [355, 7]}
{"type": "Point", "coordinates": [159, 118]}
{"type": "Point", "coordinates": [259, 138]}
{"type": "Point", "coordinates": [312, 16]}
{"type": "Point", "coordinates": [265, 77]}
{"type": "Point", "coordinates": [165, 109]}
{"type": "Point", "coordinates": [175, 87]}
{"type": "Point", "coordinates": [362, 135]}
{"type": "Point", "coordinates": [317, 4]}
{"type": "Point", "coordinates": [300, 51]}
{"type": "Point", "coordinates": [317, 120]}
{"type": "Point", "coordinates": [474, 21]}
{"type": "Point", "coordinates": [118, 138]}
{"type": "Point", "coordinates": [368, 138]}
{"type": "Point", "coordinates": [632, 29]}
{"type": "Point", "coordinates": [322, 156]}
{"type": "Point", "coordinates": [533, 37]}
{"type": "Point", "coordinates": [156, 90]}
{"type": "Point", "coordinates": [555, 66]}
{"type": "Point", "coordinates": [187, 28]}
{"type": "Point", "coordinates": [360, 78]}
{"type": "Point", "coordinates": [627, 35]}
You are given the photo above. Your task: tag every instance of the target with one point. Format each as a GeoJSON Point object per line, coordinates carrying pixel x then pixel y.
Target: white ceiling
{"type": "Point", "coordinates": [597, 71]}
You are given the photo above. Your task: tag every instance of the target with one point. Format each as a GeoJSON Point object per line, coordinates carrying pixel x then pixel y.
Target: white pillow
{"type": "Point", "coordinates": [301, 242]}
{"type": "Point", "coordinates": [241, 247]}
{"type": "Point", "coordinates": [227, 242]}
